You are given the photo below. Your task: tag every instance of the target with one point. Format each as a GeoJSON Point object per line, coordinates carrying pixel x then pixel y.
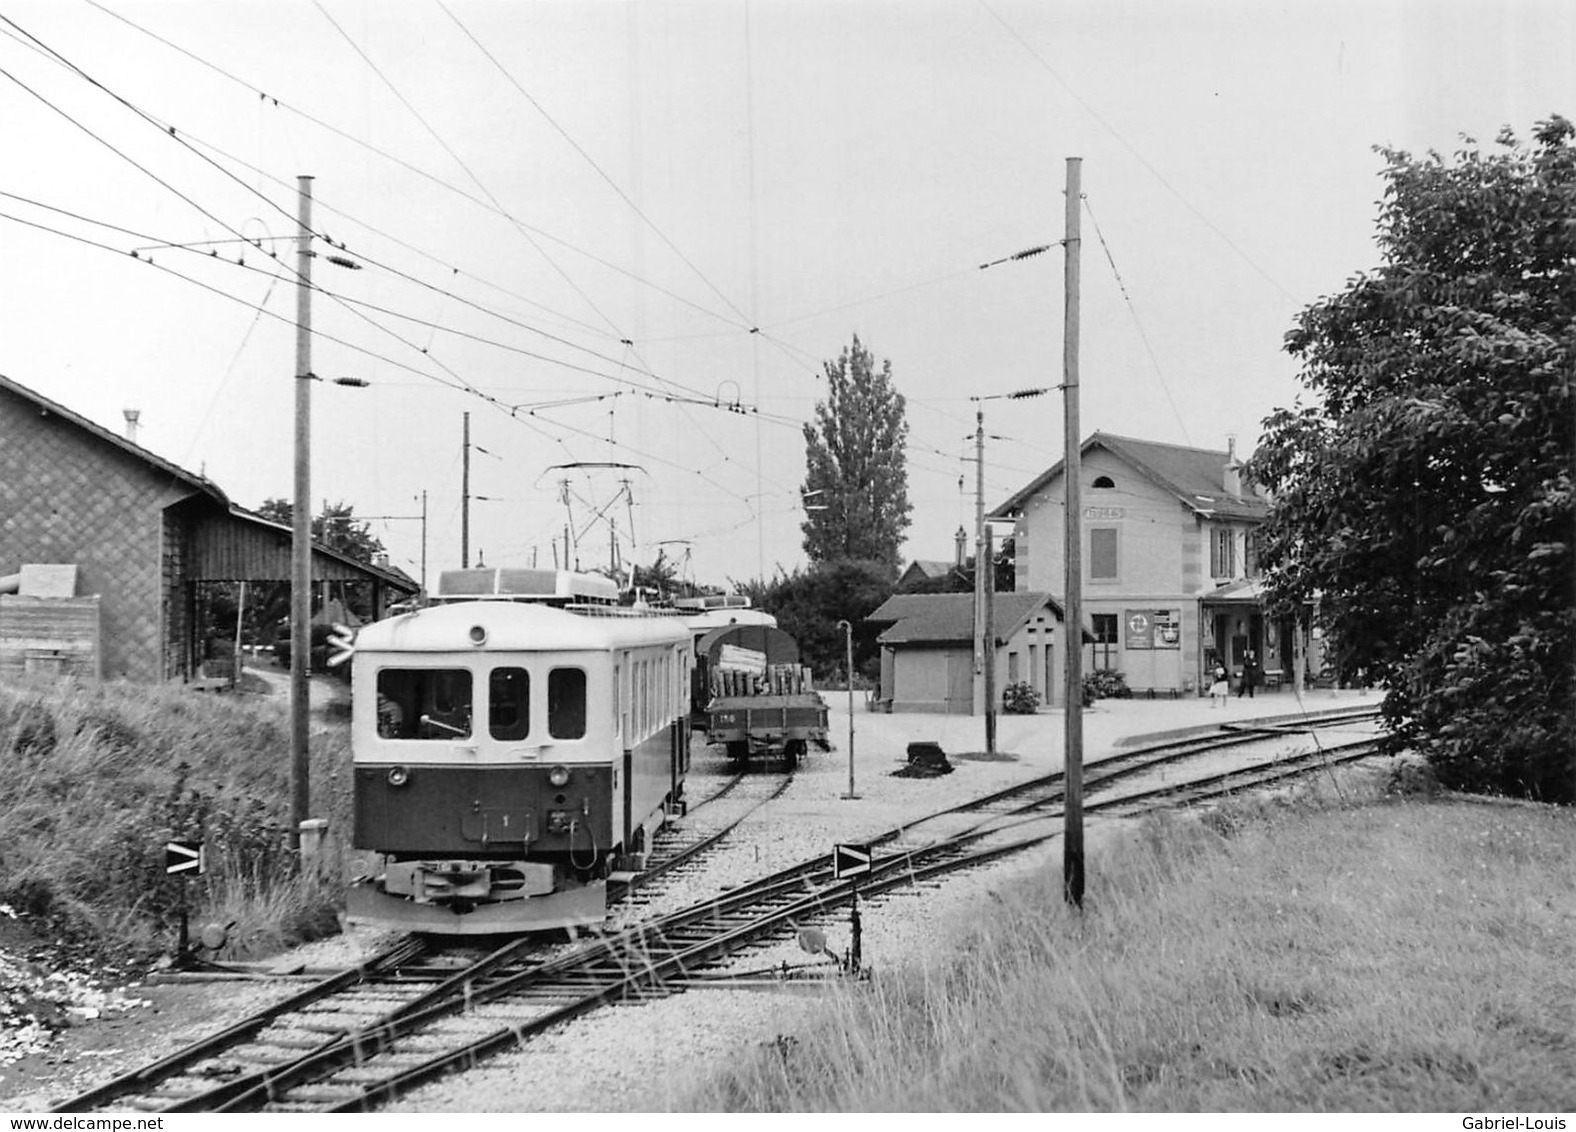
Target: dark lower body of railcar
{"type": "Point", "coordinates": [488, 849]}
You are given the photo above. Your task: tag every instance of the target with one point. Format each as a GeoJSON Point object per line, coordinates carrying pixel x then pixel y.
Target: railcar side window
{"type": "Point", "coordinates": [566, 703]}
{"type": "Point", "coordinates": [509, 703]}
{"type": "Point", "coordinates": [424, 703]}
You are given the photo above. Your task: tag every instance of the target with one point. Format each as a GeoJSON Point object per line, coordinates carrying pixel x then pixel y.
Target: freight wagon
{"type": "Point", "coordinates": [761, 702]}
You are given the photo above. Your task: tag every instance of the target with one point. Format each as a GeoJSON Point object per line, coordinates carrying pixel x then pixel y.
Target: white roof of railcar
{"type": "Point", "coordinates": [514, 583]}
{"type": "Point", "coordinates": [511, 626]}
{"type": "Point", "coordinates": [717, 618]}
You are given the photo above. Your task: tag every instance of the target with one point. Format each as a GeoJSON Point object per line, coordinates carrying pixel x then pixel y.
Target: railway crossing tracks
{"type": "Point", "coordinates": [366, 1036]}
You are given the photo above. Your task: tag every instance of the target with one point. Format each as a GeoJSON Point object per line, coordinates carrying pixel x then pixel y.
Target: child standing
{"type": "Point", "coordinates": [1221, 688]}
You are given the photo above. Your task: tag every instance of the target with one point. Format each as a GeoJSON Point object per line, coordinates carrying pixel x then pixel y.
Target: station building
{"type": "Point", "coordinates": [1171, 579]}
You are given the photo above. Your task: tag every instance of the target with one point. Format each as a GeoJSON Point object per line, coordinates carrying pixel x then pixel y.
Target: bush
{"type": "Point", "coordinates": [1020, 699]}
{"type": "Point", "coordinates": [1106, 684]}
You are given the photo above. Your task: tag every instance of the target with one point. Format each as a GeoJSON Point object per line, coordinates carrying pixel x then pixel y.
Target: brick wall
{"type": "Point", "coordinates": [67, 495]}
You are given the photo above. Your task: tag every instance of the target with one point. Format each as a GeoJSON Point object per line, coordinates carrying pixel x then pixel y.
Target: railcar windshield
{"type": "Point", "coordinates": [424, 703]}
{"type": "Point", "coordinates": [509, 703]}
{"type": "Point", "coordinates": [566, 703]}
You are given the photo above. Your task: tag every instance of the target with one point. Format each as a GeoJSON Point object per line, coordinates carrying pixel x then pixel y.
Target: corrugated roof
{"type": "Point", "coordinates": [1196, 476]}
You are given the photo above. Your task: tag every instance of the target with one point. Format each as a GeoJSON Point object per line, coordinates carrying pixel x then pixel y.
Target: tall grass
{"type": "Point", "coordinates": [1398, 956]}
{"type": "Point", "coordinates": [95, 779]}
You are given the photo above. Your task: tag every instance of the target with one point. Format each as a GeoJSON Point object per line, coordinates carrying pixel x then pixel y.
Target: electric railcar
{"type": "Point", "coordinates": [510, 756]}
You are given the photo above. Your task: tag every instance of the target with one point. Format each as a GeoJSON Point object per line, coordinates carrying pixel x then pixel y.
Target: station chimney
{"type": "Point", "coordinates": [1233, 470]}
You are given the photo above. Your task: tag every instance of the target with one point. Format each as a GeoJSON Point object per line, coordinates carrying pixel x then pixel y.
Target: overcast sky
{"type": "Point", "coordinates": [650, 210]}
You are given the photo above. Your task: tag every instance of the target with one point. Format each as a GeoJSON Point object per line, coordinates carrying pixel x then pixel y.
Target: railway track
{"type": "Point", "coordinates": [684, 846]}
{"type": "Point", "coordinates": [366, 1036]}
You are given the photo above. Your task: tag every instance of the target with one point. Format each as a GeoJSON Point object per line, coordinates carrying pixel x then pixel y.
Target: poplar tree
{"type": "Point", "coordinates": [856, 483]}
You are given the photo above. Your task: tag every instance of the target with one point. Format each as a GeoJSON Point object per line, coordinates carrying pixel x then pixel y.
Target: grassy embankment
{"type": "Point", "coordinates": [98, 777]}
{"type": "Point", "coordinates": [1358, 953]}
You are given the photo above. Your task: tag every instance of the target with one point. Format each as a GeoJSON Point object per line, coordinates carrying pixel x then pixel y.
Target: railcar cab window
{"type": "Point", "coordinates": [424, 703]}
{"type": "Point", "coordinates": [509, 703]}
{"type": "Point", "coordinates": [566, 703]}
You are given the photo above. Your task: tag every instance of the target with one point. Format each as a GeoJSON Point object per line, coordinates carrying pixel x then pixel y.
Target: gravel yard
{"type": "Point", "coordinates": [648, 1055]}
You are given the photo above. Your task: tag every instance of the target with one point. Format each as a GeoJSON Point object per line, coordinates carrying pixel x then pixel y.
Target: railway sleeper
{"type": "Point", "coordinates": [317, 1095]}
{"type": "Point", "coordinates": [298, 1040]}
{"type": "Point", "coordinates": [360, 1076]}
{"type": "Point", "coordinates": [260, 1055]}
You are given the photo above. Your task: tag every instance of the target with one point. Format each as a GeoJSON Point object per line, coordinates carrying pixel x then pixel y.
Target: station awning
{"type": "Point", "coordinates": [1249, 591]}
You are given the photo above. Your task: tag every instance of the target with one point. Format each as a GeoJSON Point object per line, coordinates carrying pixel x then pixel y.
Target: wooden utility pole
{"type": "Point", "coordinates": [301, 529]}
{"type": "Point", "coordinates": [1072, 837]}
{"type": "Point", "coordinates": [982, 658]}
{"type": "Point", "coordinates": [465, 496]}
{"type": "Point", "coordinates": [987, 568]}
{"type": "Point", "coordinates": [423, 540]}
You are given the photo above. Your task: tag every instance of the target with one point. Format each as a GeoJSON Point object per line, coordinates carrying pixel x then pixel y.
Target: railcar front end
{"type": "Point", "coordinates": [507, 758]}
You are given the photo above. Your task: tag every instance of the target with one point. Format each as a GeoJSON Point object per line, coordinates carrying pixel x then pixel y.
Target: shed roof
{"type": "Point", "coordinates": [109, 436]}
{"type": "Point", "coordinates": [928, 568]}
{"type": "Point", "coordinates": [1196, 476]}
{"type": "Point", "coordinates": [949, 618]}
{"type": "Point", "coordinates": [239, 518]}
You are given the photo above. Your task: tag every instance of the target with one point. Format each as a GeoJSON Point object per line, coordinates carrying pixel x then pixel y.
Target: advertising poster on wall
{"type": "Point", "coordinates": [1140, 629]}
{"type": "Point", "coordinates": [1168, 628]}
{"type": "Point", "coordinates": [1153, 628]}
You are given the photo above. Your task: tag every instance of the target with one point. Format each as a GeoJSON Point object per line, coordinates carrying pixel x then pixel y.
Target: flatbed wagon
{"type": "Point", "coordinates": [768, 726]}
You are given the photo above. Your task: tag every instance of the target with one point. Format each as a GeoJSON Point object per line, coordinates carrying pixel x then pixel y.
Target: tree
{"type": "Point", "coordinates": [808, 604]}
{"type": "Point", "coordinates": [660, 581]}
{"type": "Point", "coordinates": [856, 484]}
{"type": "Point", "coordinates": [1425, 502]}
{"type": "Point", "coordinates": [337, 528]}
{"type": "Point", "coordinates": [268, 603]}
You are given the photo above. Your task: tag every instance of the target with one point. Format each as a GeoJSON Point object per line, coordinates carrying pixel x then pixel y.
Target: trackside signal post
{"type": "Point", "coordinates": [850, 862]}
{"type": "Point", "coordinates": [184, 858]}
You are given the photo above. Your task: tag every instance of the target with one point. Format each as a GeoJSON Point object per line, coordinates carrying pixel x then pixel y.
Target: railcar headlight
{"type": "Point", "coordinates": [398, 776]}
{"type": "Point", "coordinates": [478, 634]}
{"type": "Point", "coordinates": [558, 775]}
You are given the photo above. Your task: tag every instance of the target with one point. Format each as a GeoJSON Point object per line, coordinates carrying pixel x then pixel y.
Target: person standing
{"type": "Point", "coordinates": [1250, 675]}
{"type": "Point", "coordinates": [1221, 688]}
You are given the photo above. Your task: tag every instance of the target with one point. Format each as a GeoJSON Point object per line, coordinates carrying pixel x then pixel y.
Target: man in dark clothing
{"type": "Point", "coordinates": [1250, 676]}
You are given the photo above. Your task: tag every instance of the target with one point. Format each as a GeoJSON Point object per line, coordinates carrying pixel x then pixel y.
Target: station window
{"type": "Point", "coordinates": [566, 703]}
{"type": "Point", "coordinates": [509, 703]}
{"type": "Point", "coordinates": [1222, 553]}
{"type": "Point", "coordinates": [1105, 482]}
{"type": "Point", "coordinates": [424, 703]}
{"type": "Point", "coordinates": [1104, 626]}
{"type": "Point", "coordinates": [1102, 553]}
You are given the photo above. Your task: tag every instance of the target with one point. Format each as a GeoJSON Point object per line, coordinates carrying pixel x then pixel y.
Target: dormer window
{"type": "Point", "coordinates": [1103, 482]}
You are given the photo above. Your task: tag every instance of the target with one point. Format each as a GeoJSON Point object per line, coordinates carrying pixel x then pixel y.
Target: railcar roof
{"type": "Point", "coordinates": [515, 627]}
